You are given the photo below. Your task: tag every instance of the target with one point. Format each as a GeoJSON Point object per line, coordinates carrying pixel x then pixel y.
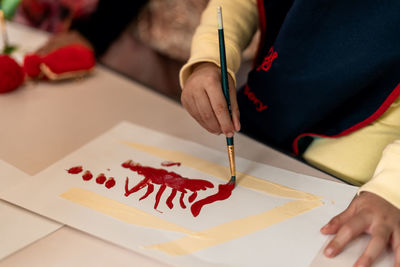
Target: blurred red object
{"type": "Point", "coordinates": [32, 65]}
{"type": "Point", "coordinates": [80, 8]}
{"type": "Point", "coordinates": [53, 15]}
{"type": "Point", "coordinates": [11, 74]}
{"type": "Point", "coordinates": [70, 61]}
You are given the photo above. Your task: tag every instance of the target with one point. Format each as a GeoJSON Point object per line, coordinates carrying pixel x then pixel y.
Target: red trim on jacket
{"type": "Point", "coordinates": [263, 27]}
{"type": "Point", "coordinates": [385, 105]}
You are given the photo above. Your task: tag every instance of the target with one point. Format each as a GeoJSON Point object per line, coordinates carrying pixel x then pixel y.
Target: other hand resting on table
{"type": "Point", "coordinates": [367, 213]}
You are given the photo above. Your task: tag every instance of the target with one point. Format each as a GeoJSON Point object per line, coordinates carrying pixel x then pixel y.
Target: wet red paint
{"type": "Point", "coordinates": [110, 182]}
{"type": "Point", "coordinates": [126, 164]}
{"type": "Point", "coordinates": [181, 201]}
{"type": "Point", "coordinates": [170, 163]}
{"type": "Point", "coordinates": [101, 178]}
{"type": "Point", "coordinates": [224, 191]}
{"type": "Point", "coordinates": [192, 197]}
{"type": "Point", "coordinates": [87, 175]}
{"type": "Point", "coordinates": [165, 179]}
{"type": "Point", "coordinates": [75, 170]}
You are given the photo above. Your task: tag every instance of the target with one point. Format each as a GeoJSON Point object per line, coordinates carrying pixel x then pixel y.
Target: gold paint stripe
{"type": "Point", "coordinates": [235, 229]}
{"type": "Point", "coordinates": [222, 172]}
{"type": "Point", "coordinates": [120, 211]}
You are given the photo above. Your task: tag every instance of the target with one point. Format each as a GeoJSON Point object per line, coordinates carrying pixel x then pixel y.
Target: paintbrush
{"type": "Point", "coordinates": [225, 89]}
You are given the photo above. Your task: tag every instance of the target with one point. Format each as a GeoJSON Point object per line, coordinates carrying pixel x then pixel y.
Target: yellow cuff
{"type": "Point", "coordinates": [187, 70]}
{"type": "Point", "coordinates": [386, 192]}
{"type": "Point", "coordinates": [209, 52]}
{"type": "Point", "coordinates": [386, 180]}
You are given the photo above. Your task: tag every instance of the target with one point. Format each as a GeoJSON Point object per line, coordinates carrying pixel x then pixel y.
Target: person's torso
{"type": "Point", "coordinates": [325, 68]}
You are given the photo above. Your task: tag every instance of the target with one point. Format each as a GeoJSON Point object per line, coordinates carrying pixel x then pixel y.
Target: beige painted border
{"type": "Point", "coordinates": [195, 241]}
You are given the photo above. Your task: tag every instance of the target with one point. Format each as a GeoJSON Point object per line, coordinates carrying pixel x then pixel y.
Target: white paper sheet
{"type": "Point", "coordinates": [292, 242]}
{"type": "Point", "coordinates": [355, 247]}
{"type": "Point", "coordinates": [18, 227]}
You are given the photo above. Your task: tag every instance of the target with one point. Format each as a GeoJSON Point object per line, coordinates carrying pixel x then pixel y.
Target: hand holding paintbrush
{"type": "Point", "coordinates": [203, 97]}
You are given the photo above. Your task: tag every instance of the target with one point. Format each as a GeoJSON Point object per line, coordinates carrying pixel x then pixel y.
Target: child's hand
{"type": "Point", "coordinates": [367, 213]}
{"type": "Point", "coordinates": [203, 98]}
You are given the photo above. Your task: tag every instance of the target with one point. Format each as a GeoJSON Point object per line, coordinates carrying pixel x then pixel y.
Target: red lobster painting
{"type": "Point", "coordinates": [164, 178]}
{"type": "Point", "coordinates": [178, 183]}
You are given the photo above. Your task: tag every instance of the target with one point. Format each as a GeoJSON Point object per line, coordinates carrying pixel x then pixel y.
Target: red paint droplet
{"type": "Point", "coordinates": [87, 175]}
{"type": "Point", "coordinates": [224, 191]}
{"type": "Point", "coordinates": [126, 164]}
{"type": "Point", "coordinates": [101, 178]}
{"type": "Point", "coordinates": [75, 170]}
{"type": "Point", "coordinates": [170, 163]}
{"type": "Point", "coordinates": [110, 182]}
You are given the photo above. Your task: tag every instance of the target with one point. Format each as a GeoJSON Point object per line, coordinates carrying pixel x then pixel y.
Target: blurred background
{"type": "Point", "coordinates": [141, 39]}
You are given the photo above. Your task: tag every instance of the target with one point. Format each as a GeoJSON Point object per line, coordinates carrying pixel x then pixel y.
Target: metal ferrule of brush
{"type": "Point", "coordinates": [231, 155]}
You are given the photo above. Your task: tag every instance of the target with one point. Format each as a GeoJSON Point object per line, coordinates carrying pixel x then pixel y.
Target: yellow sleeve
{"type": "Point", "coordinates": [369, 156]}
{"type": "Point", "coordinates": [386, 179]}
{"type": "Point", "coordinates": [240, 20]}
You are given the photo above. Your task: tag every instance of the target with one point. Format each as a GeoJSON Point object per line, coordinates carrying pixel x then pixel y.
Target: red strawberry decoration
{"type": "Point", "coordinates": [69, 61]}
{"type": "Point", "coordinates": [32, 65]}
{"type": "Point", "coordinates": [11, 74]}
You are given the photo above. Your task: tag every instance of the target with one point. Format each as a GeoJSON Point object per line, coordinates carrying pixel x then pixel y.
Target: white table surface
{"type": "Point", "coordinates": [42, 122]}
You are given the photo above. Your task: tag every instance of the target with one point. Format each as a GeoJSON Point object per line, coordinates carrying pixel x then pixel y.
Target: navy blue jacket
{"type": "Point", "coordinates": [324, 68]}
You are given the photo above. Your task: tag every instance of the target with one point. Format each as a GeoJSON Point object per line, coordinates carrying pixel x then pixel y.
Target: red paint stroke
{"type": "Point", "coordinates": [192, 197]}
{"type": "Point", "coordinates": [87, 175]}
{"type": "Point", "coordinates": [181, 201]}
{"type": "Point", "coordinates": [75, 170]}
{"type": "Point", "coordinates": [165, 179]}
{"type": "Point", "coordinates": [224, 191]}
{"type": "Point", "coordinates": [110, 182]}
{"type": "Point", "coordinates": [101, 178]}
{"type": "Point", "coordinates": [126, 164]}
{"type": "Point", "coordinates": [170, 163]}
